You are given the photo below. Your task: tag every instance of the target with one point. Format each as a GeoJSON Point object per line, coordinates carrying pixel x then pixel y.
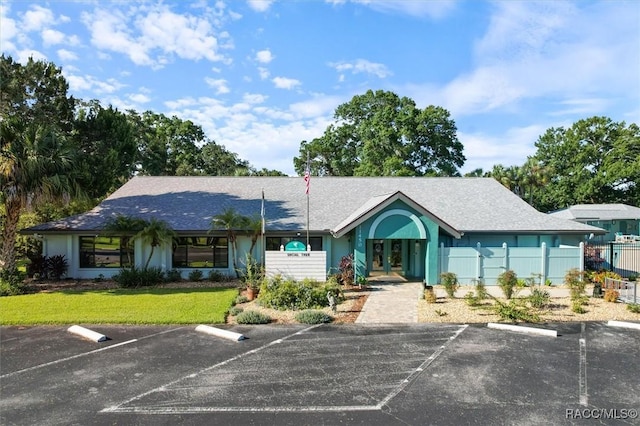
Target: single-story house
{"type": "Point", "coordinates": [391, 225]}
{"type": "Point", "coordinates": [621, 221]}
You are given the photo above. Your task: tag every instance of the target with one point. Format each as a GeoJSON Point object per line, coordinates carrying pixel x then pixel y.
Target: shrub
{"type": "Point", "coordinates": [634, 307]}
{"type": "Point", "coordinates": [574, 280]}
{"type": "Point", "coordinates": [611, 295]}
{"type": "Point", "coordinates": [599, 277]}
{"type": "Point", "coordinates": [174, 276]}
{"type": "Point", "coordinates": [57, 266]}
{"type": "Point", "coordinates": [241, 299]}
{"type": "Point", "coordinates": [539, 298]}
{"type": "Point", "coordinates": [507, 281]}
{"type": "Point", "coordinates": [195, 275]}
{"type": "Point", "coordinates": [37, 266]}
{"type": "Point", "coordinates": [577, 307]}
{"type": "Point", "coordinates": [514, 311]}
{"type": "Point", "coordinates": [281, 294]}
{"type": "Point", "coordinates": [313, 317]}
{"type": "Point", "coordinates": [12, 283]}
{"type": "Point", "coordinates": [345, 270]}
{"type": "Point", "coordinates": [481, 291]}
{"type": "Point", "coordinates": [450, 282]}
{"type": "Point", "coordinates": [471, 299]}
{"type": "Point", "coordinates": [135, 277]}
{"type": "Point", "coordinates": [217, 276]}
{"type": "Point", "coordinates": [253, 317]}
{"type": "Point", "coordinates": [234, 311]}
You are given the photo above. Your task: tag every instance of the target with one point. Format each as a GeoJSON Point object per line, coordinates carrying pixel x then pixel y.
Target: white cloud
{"type": "Point", "coordinates": [88, 83]}
{"type": "Point", "coordinates": [285, 83]}
{"type": "Point", "coordinates": [37, 18]}
{"type": "Point", "coordinates": [8, 29]}
{"type": "Point", "coordinates": [362, 66]}
{"type": "Point", "coordinates": [259, 5]}
{"type": "Point", "coordinates": [264, 56]}
{"type": "Point", "coordinates": [153, 36]}
{"type": "Point", "coordinates": [220, 85]}
{"type": "Point", "coordinates": [434, 9]}
{"type": "Point", "coordinates": [509, 149]}
{"type": "Point", "coordinates": [66, 55]}
{"type": "Point", "coordinates": [51, 37]}
{"type": "Point", "coordinates": [139, 98]}
{"type": "Point", "coordinates": [263, 72]}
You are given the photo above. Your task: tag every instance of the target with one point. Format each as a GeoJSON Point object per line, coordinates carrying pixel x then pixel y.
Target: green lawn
{"type": "Point", "coordinates": [120, 306]}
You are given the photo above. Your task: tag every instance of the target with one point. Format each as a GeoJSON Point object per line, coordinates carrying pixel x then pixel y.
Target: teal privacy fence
{"type": "Point", "coordinates": [485, 264]}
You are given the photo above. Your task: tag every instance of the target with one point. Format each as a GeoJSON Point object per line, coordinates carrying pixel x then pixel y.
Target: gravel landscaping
{"type": "Point", "coordinates": [457, 310]}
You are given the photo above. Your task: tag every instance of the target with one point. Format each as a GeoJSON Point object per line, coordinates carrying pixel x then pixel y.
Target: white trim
{"type": "Point", "coordinates": [383, 216]}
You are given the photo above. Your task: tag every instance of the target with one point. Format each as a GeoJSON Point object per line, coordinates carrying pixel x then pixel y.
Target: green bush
{"type": "Point", "coordinates": [195, 275]}
{"type": "Point", "coordinates": [450, 282]}
{"type": "Point", "coordinates": [514, 311]}
{"type": "Point", "coordinates": [234, 311]}
{"type": "Point", "coordinates": [217, 276]}
{"type": "Point", "coordinates": [253, 317]}
{"type": "Point", "coordinates": [481, 291]}
{"type": "Point", "coordinates": [57, 266]}
{"type": "Point", "coordinates": [578, 307]}
{"type": "Point", "coordinates": [574, 280]}
{"type": "Point", "coordinates": [278, 293]}
{"type": "Point", "coordinates": [174, 276]}
{"type": "Point", "coordinates": [313, 317]}
{"type": "Point", "coordinates": [539, 298]}
{"type": "Point", "coordinates": [135, 277]}
{"type": "Point", "coordinates": [507, 281]}
{"type": "Point", "coordinates": [12, 283]}
{"type": "Point", "coordinates": [634, 307]}
{"type": "Point", "coordinates": [241, 299]}
{"type": "Point", "coordinates": [471, 299]}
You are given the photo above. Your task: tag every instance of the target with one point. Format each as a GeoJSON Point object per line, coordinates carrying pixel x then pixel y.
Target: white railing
{"type": "Point", "coordinates": [628, 290]}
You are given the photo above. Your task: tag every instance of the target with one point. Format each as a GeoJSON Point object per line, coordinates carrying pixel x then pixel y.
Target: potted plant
{"type": "Point", "coordinates": [253, 276]}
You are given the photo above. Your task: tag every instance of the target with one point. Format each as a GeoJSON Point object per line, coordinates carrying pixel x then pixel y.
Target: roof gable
{"type": "Point", "coordinates": [377, 204]}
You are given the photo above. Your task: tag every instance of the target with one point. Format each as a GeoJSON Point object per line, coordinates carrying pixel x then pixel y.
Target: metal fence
{"type": "Point", "coordinates": [628, 290]}
{"type": "Point", "coordinates": [621, 258]}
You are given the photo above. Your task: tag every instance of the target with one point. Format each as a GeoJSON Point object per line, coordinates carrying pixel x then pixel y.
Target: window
{"type": "Point", "coordinates": [274, 243]}
{"type": "Point", "coordinates": [200, 252]}
{"type": "Point", "coordinates": [105, 252]}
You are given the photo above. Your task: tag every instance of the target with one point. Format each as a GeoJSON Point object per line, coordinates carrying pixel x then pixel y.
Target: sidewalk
{"type": "Point", "coordinates": [391, 302]}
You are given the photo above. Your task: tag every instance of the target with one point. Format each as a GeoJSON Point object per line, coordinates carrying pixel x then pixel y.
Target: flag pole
{"type": "Point", "coordinates": [308, 181]}
{"type": "Point", "coordinates": [262, 229]}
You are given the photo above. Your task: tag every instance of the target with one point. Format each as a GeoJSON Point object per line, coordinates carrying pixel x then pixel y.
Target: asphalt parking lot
{"type": "Point", "coordinates": [407, 374]}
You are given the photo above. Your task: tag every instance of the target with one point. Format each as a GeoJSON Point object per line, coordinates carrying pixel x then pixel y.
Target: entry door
{"type": "Point", "coordinates": [395, 255]}
{"type": "Point", "coordinates": [377, 259]}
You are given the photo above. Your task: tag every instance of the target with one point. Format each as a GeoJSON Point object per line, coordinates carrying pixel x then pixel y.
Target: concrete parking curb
{"type": "Point", "coordinates": [522, 329]}
{"type": "Point", "coordinates": [226, 334]}
{"type": "Point", "coordinates": [632, 325]}
{"type": "Point", "coordinates": [87, 334]}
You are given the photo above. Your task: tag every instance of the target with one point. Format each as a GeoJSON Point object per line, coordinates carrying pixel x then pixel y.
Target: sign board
{"type": "Point", "coordinates": [295, 246]}
{"type": "Point", "coordinates": [297, 265]}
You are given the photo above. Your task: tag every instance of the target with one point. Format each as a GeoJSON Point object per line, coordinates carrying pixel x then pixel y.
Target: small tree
{"type": "Point", "coordinates": [155, 233]}
{"type": "Point", "coordinates": [507, 281]}
{"type": "Point", "coordinates": [231, 221]}
{"type": "Point", "coordinates": [450, 282]}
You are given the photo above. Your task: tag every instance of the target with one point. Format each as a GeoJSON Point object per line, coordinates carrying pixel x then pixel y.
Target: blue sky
{"type": "Point", "coordinates": [262, 76]}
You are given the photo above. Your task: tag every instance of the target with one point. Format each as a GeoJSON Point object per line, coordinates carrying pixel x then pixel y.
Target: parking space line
{"type": "Point", "coordinates": [35, 367]}
{"type": "Point", "coordinates": [421, 368]}
{"type": "Point", "coordinates": [582, 379]}
{"type": "Point", "coordinates": [129, 406]}
{"type": "Point", "coordinates": [117, 408]}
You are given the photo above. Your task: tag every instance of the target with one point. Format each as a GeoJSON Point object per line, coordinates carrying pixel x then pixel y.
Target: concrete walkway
{"type": "Point", "coordinates": [391, 302]}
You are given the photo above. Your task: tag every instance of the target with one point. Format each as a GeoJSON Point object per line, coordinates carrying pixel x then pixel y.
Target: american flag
{"type": "Point", "coordinates": [307, 179]}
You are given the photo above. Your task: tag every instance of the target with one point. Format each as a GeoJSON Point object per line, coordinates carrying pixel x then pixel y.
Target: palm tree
{"type": "Point", "coordinates": [35, 167]}
{"type": "Point", "coordinates": [231, 221]}
{"type": "Point", "coordinates": [155, 233]}
{"type": "Point", "coordinates": [253, 224]}
{"type": "Point", "coordinates": [124, 227]}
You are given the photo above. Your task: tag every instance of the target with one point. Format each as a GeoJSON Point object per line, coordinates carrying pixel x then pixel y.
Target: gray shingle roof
{"type": "Point", "coordinates": [584, 212]}
{"type": "Point", "coordinates": [189, 203]}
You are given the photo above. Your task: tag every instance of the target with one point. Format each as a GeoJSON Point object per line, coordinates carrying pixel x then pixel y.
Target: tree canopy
{"type": "Point", "coordinates": [382, 134]}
